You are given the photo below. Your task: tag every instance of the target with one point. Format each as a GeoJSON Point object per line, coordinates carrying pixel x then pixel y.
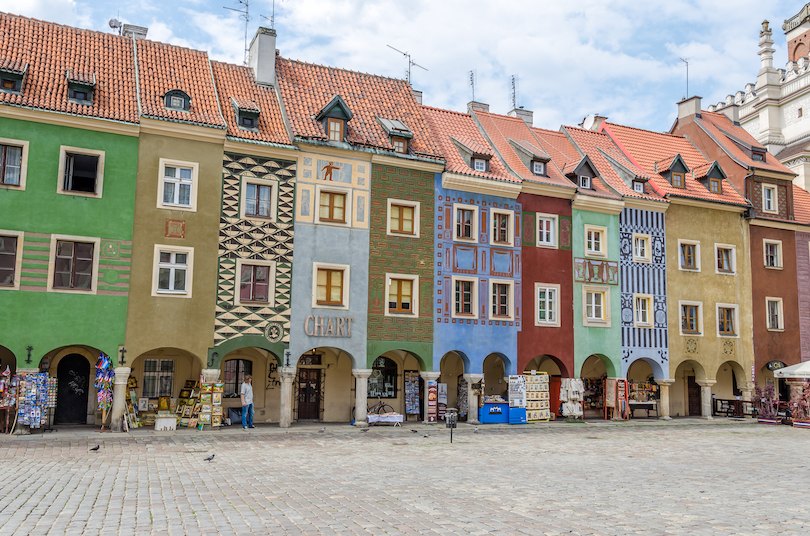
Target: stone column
{"type": "Point", "coordinates": [210, 375]}
{"type": "Point", "coordinates": [24, 429]}
{"type": "Point", "coordinates": [285, 412]}
{"type": "Point", "coordinates": [706, 398]}
{"type": "Point", "coordinates": [663, 400]}
{"type": "Point", "coordinates": [747, 397]}
{"type": "Point", "coordinates": [119, 405]}
{"type": "Point", "coordinates": [361, 396]}
{"type": "Point", "coordinates": [427, 376]}
{"type": "Point", "coordinates": [472, 398]}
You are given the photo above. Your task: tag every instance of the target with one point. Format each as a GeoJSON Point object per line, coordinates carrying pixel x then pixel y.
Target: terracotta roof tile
{"type": "Point", "coordinates": [51, 50]}
{"type": "Point", "coordinates": [556, 145]}
{"type": "Point", "coordinates": [237, 83]}
{"type": "Point", "coordinates": [445, 125]}
{"type": "Point", "coordinates": [801, 205]}
{"type": "Point", "coordinates": [306, 88]}
{"type": "Point", "coordinates": [163, 67]}
{"type": "Point", "coordinates": [644, 148]}
{"type": "Point", "coordinates": [793, 150]}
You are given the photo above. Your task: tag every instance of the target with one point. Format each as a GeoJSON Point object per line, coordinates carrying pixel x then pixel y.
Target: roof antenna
{"type": "Point", "coordinates": [410, 62]}
{"type": "Point", "coordinates": [686, 61]}
{"type": "Point", "coordinates": [515, 91]}
{"type": "Point", "coordinates": [472, 83]}
{"type": "Point", "coordinates": [245, 13]}
{"type": "Point", "coordinates": [272, 17]}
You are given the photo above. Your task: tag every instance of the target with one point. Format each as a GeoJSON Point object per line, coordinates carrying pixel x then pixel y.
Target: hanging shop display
{"type": "Point", "coordinates": [463, 404]}
{"type": "Point", "coordinates": [537, 397]}
{"type": "Point", "coordinates": [644, 396]}
{"type": "Point", "coordinates": [572, 391]}
{"type": "Point", "coordinates": [412, 399]}
{"type": "Point", "coordinates": [33, 398]}
{"type": "Point", "coordinates": [105, 377]}
{"type": "Point", "coordinates": [616, 403]}
{"type": "Point", "coordinates": [441, 401]}
{"type": "Point", "coordinates": [517, 399]}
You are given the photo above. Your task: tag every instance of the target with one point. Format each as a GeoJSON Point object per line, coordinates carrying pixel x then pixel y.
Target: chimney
{"type": "Point", "coordinates": [136, 32]}
{"type": "Point", "coordinates": [732, 111]}
{"type": "Point", "coordinates": [526, 115]}
{"type": "Point", "coordinates": [262, 56]}
{"type": "Point", "coordinates": [689, 107]}
{"type": "Point", "coordinates": [477, 106]}
{"type": "Point", "coordinates": [417, 95]}
{"type": "Point", "coordinates": [592, 122]}
{"type": "Point", "coordinates": [766, 49]}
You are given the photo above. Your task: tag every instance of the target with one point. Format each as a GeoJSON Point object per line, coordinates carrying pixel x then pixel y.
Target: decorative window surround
{"type": "Point", "coordinates": [772, 259]}
{"type": "Point", "coordinates": [735, 320]}
{"type": "Point", "coordinates": [547, 229]}
{"type": "Point", "coordinates": [510, 297]}
{"type": "Point", "coordinates": [605, 320]}
{"type": "Point", "coordinates": [273, 185]}
{"type": "Point", "coordinates": [473, 239]}
{"type": "Point", "coordinates": [596, 245]}
{"type": "Point", "coordinates": [271, 282]}
{"type": "Point", "coordinates": [643, 310]}
{"type": "Point", "coordinates": [473, 301]}
{"type": "Point", "coordinates": [20, 236]}
{"type": "Point", "coordinates": [347, 209]}
{"type": "Point", "coordinates": [547, 295]}
{"type": "Point", "coordinates": [192, 202]}
{"type": "Point", "coordinates": [416, 218]}
{"type": "Point", "coordinates": [681, 257]}
{"type": "Point", "coordinates": [60, 182]}
{"type": "Point", "coordinates": [699, 305]}
{"type": "Point", "coordinates": [770, 203]}
{"type": "Point", "coordinates": [345, 268]}
{"type": "Point", "coordinates": [732, 260]}
{"type": "Point", "coordinates": [641, 248]}
{"type": "Point", "coordinates": [189, 252]}
{"type": "Point", "coordinates": [774, 314]}
{"type": "Point", "coordinates": [23, 144]}
{"type": "Point", "coordinates": [510, 227]}
{"type": "Point", "coordinates": [52, 263]}
{"type": "Point", "coordinates": [414, 279]}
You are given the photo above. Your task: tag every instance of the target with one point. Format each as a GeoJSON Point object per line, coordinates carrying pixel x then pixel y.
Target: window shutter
{"type": "Point", "coordinates": [68, 185]}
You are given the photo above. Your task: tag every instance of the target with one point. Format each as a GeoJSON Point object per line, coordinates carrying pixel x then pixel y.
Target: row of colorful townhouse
{"type": "Point", "coordinates": [429, 244]}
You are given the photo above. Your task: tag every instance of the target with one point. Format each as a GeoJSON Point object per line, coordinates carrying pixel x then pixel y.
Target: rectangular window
{"type": "Point", "coordinates": [594, 305]}
{"type": "Point", "coordinates": [638, 187]}
{"type": "Point", "coordinates": [172, 272]}
{"type": "Point", "coordinates": [689, 256]}
{"type": "Point", "coordinates": [158, 378]}
{"type": "Point", "coordinates": [400, 296]}
{"type": "Point", "coordinates": [73, 268]}
{"type": "Point", "coordinates": [641, 248]}
{"type": "Point", "coordinates": [330, 287]}
{"type": "Point", "coordinates": [245, 121]}
{"type": "Point", "coordinates": [479, 164]}
{"type": "Point", "coordinates": [333, 207]}
{"type": "Point", "coordinates": [254, 285]}
{"type": "Point", "coordinates": [233, 375]}
{"type": "Point", "coordinates": [10, 164]}
{"type": "Point", "coordinates": [464, 223]}
{"type": "Point", "coordinates": [258, 200]}
{"type": "Point", "coordinates": [539, 168]}
{"type": "Point", "coordinates": [725, 321]}
{"type": "Point", "coordinates": [8, 260]}
{"type": "Point", "coordinates": [177, 184]}
{"type": "Point", "coordinates": [500, 231]}
{"type": "Point", "coordinates": [774, 310]}
{"type": "Point", "coordinates": [757, 156]}
{"type": "Point", "coordinates": [547, 305]}
{"type": "Point", "coordinates": [643, 305]}
{"type": "Point", "coordinates": [689, 319]}
{"type": "Point", "coordinates": [715, 186]}
{"type": "Point", "coordinates": [724, 260]}
{"type": "Point", "coordinates": [594, 241]}
{"type": "Point", "coordinates": [400, 145]}
{"type": "Point", "coordinates": [401, 219]}
{"type": "Point", "coordinates": [546, 231]}
{"type": "Point", "coordinates": [769, 199]}
{"type": "Point", "coordinates": [500, 300]}
{"type": "Point", "coordinates": [773, 254]}
{"type": "Point", "coordinates": [677, 180]}
{"type": "Point", "coordinates": [464, 297]}
{"type": "Point", "coordinates": [80, 173]}
{"type": "Point", "coordinates": [584, 182]}
{"type": "Point", "coordinates": [335, 129]}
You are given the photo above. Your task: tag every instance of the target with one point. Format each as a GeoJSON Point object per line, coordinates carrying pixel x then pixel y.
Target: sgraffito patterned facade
{"type": "Point", "coordinates": [253, 240]}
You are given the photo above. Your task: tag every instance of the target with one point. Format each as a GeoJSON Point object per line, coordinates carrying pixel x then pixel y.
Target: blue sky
{"type": "Point", "coordinates": [619, 58]}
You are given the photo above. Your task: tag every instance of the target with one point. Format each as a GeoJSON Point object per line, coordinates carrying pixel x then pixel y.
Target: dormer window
{"type": "Point", "coordinates": [247, 121]}
{"type": "Point", "coordinates": [11, 76]}
{"type": "Point", "coordinates": [538, 168]}
{"type": "Point", "coordinates": [480, 164]}
{"type": "Point", "coordinates": [584, 181]}
{"type": "Point", "coordinates": [80, 87]}
{"type": "Point", "coordinates": [400, 145]}
{"type": "Point", "coordinates": [247, 114]}
{"type": "Point", "coordinates": [758, 156]}
{"type": "Point", "coordinates": [398, 132]}
{"type": "Point", "coordinates": [335, 129]}
{"type": "Point", "coordinates": [335, 117]}
{"type": "Point", "coordinates": [177, 100]}
{"type": "Point", "coordinates": [715, 186]}
{"type": "Point", "coordinates": [678, 180]}
{"type": "Point", "coordinates": [638, 187]}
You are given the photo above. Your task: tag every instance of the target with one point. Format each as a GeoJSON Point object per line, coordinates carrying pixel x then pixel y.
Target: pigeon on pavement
{"type": "Point", "coordinates": [476, 430]}
{"type": "Point", "coordinates": [426, 435]}
{"type": "Point", "coordinates": [208, 459]}
{"type": "Point", "coordinates": [364, 430]}
{"type": "Point", "coordinates": [415, 431]}
{"type": "Point", "coordinates": [96, 447]}
{"type": "Point", "coordinates": [322, 429]}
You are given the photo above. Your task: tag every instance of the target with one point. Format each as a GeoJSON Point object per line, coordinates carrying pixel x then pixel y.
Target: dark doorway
{"type": "Point", "coordinates": [73, 373]}
{"type": "Point", "coordinates": [309, 394]}
{"type": "Point", "coordinates": [694, 396]}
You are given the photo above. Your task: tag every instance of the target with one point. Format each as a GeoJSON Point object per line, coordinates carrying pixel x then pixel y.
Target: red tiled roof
{"type": "Point", "coordinates": [238, 83]}
{"type": "Point", "coordinates": [445, 125]}
{"type": "Point", "coordinates": [306, 88]}
{"type": "Point", "coordinates": [644, 148]}
{"type": "Point", "coordinates": [801, 205]}
{"type": "Point", "coordinates": [556, 145]}
{"type": "Point", "coordinates": [51, 50]}
{"type": "Point", "coordinates": [163, 67]}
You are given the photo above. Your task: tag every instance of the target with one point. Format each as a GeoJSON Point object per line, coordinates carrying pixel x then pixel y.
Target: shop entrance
{"type": "Point", "coordinates": [73, 373]}
{"type": "Point", "coordinates": [693, 395]}
{"type": "Point", "coordinates": [594, 372]}
{"type": "Point", "coordinates": [556, 371]}
{"type": "Point", "coordinates": [309, 394]}
{"type": "Point", "coordinates": [452, 386]}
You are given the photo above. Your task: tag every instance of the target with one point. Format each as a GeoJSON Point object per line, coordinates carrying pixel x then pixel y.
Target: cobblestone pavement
{"type": "Point", "coordinates": [682, 478]}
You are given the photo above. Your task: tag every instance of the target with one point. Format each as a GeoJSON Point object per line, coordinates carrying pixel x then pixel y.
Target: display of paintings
{"type": "Point", "coordinates": [164, 403]}
{"type": "Point", "coordinates": [184, 421]}
{"type": "Point", "coordinates": [206, 388]}
{"type": "Point", "coordinates": [187, 411]}
{"type": "Point", "coordinates": [185, 393]}
{"type": "Point", "coordinates": [206, 408]}
{"type": "Point", "coordinates": [132, 383]}
{"type": "Point", "coordinates": [205, 418]}
{"type": "Point", "coordinates": [195, 393]}
{"type": "Point", "coordinates": [133, 397]}
{"type": "Point", "coordinates": [143, 404]}
{"type": "Point", "coordinates": [192, 423]}
{"type": "Point", "coordinates": [197, 408]}
{"type": "Point", "coordinates": [216, 398]}
{"type": "Point", "coordinates": [412, 393]}
{"type": "Point", "coordinates": [219, 387]}
{"type": "Point", "coordinates": [205, 398]}
{"type": "Point", "coordinates": [216, 410]}
{"type": "Point", "coordinates": [216, 420]}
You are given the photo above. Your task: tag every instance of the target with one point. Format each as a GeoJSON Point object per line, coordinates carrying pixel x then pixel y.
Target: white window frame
{"type": "Point", "coordinates": [648, 299]}
{"type": "Point", "coordinates": [511, 300]}
{"type": "Point", "coordinates": [602, 241]}
{"type": "Point", "coordinates": [474, 208]}
{"type": "Point", "coordinates": [273, 184]}
{"type": "Point", "coordinates": [189, 251]}
{"type": "Point", "coordinates": [735, 319]}
{"type": "Point", "coordinates": [604, 322]}
{"type": "Point", "coordinates": [23, 163]}
{"type": "Point", "coordinates": [554, 244]}
{"type": "Point", "coordinates": [60, 182]}
{"type": "Point", "coordinates": [647, 257]}
{"type": "Point", "coordinates": [473, 304]}
{"type": "Point", "coordinates": [780, 312]}
{"type": "Point", "coordinates": [695, 243]}
{"type": "Point", "coordinates": [733, 259]}
{"type": "Point", "coordinates": [699, 306]}
{"type": "Point", "coordinates": [638, 187]}
{"type": "Point", "coordinates": [346, 279]}
{"type": "Point", "coordinates": [476, 161]}
{"type": "Point", "coordinates": [414, 295]}
{"type": "Point", "coordinates": [417, 213]}
{"type": "Point", "coordinates": [192, 198]}
{"type": "Point", "coordinates": [778, 244]}
{"type": "Point", "coordinates": [774, 199]}
{"type": "Point", "coordinates": [271, 282]}
{"type": "Point", "coordinates": [542, 170]}
{"type": "Point", "coordinates": [583, 181]}
{"type": "Point", "coordinates": [347, 209]}
{"type": "Point", "coordinates": [20, 235]}
{"type": "Point", "coordinates": [157, 374]}
{"type": "Point", "coordinates": [510, 231]}
{"type": "Point", "coordinates": [555, 305]}
{"type": "Point", "coordinates": [52, 263]}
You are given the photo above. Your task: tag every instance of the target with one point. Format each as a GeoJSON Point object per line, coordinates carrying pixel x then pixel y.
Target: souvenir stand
{"type": "Point", "coordinates": [643, 395]}
{"type": "Point", "coordinates": [517, 399]}
{"type": "Point", "coordinates": [593, 397]}
{"type": "Point", "coordinates": [210, 403]}
{"type": "Point", "coordinates": [7, 395]}
{"type": "Point", "coordinates": [412, 398]}
{"type": "Point", "coordinates": [105, 377]}
{"type": "Point", "coordinates": [494, 409]}
{"type": "Point", "coordinates": [537, 397]}
{"type": "Point", "coordinates": [572, 391]}
{"type": "Point", "coordinates": [617, 407]}
{"type": "Point", "coordinates": [31, 395]}
{"type": "Point", "coordinates": [462, 402]}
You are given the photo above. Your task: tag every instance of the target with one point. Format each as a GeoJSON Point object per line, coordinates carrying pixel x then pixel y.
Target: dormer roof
{"type": "Point", "coordinates": [336, 108]}
{"type": "Point", "coordinates": [395, 127]}
{"type": "Point", "coordinates": [530, 150]}
{"type": "Point", "coordinates": [667, 163]}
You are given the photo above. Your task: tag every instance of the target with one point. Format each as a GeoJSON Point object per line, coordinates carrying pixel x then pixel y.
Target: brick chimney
{"type": "Point", "coordinates": [592, 122]}
{"type": "Point", "coordinates": [526, 115]}
{"type": "Point", "coordinates": [689, 107]}
{"type": "Point", "coordinates": [417, 95]}
{"type": "Point", "coordinates": [262, 56]}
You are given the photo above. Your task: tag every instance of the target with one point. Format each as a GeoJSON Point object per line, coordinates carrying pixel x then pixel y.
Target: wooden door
{"type": "Point", "coordinates": [309, 394]}
{"type": "Point", "coordinates": [554, 383]}
{"type": "Point", "coordinates": [72, 391]}
{"type": "Point", "coordinates": [693, 392]}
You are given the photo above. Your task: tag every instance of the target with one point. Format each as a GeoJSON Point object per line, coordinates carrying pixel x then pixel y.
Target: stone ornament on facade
{"type": "Point", "coordinates": [728, 347]}
{"type": "Point", "coordinates": [691, 346]}
{"type": "Point", "coordinates": [274, 332]}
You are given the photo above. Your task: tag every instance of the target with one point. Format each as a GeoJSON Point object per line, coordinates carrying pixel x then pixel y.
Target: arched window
{"type": "Point", "coordinates": [234, 372]}
{"type": "Point", "coordinates": [383, 380]}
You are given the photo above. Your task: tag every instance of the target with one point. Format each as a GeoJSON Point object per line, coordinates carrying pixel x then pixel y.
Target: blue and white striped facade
{"type": "Point", "coordinates": [644, 278]}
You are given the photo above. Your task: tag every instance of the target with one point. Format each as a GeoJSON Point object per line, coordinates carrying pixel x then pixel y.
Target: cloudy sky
{"type": "Point", "coordinates": [619, 58]}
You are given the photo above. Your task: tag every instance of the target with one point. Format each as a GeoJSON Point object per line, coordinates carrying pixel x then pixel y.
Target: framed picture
{"type": "Point", "coordinates": [206, 388]}
{"type": "Point", "coordinates": [216, 420]}
{"type": "Point", "coordinates": [182, 401]}
{"type": "Point", "coordinates": [205, 398]}
{"type": "Point", "coordinates": [216, 399]}
{"type": "Point", "coordinates": [187, 411]}
{"type": "Point", "coordinates": [192, 423]}
{"type": "Point", "coordinates": [216, 410]}
{"type": "Point", "coordinates": [197, 408]}
{"type": "Point", "coordinates": [164, 403]}
{"type": "Point", "coordinates": [206, 408]}
{"type": "Point", "coordinates": [205, 418]}
{"type": "Point", "coordinates": [190, 384]}
{"type": "Point", "coordinates": [133, 397]}
{"type": "Point", "coordinates": [132, 383]}
{"type": "Point", "coordinates": [143, 404]}
{"type": "Point", "coordinates": [185, 393]}
{"type": "Point", "coordinates": [195, 393]}
{"type": "Point", "coordinates": [184, 421]}
{"type": "Point", "coordinates": [219, 387]}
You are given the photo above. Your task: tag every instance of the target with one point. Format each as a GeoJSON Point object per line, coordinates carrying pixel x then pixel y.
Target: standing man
{"type": "Point", "coordinates": [247, 403]}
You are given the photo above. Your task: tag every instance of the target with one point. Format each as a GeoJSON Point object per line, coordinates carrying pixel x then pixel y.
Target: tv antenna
{"type": "Point", "coordinates": [515, 83]}
{"type": "Point", "coordinates": [272, 18]}
{"type": "Point", "coordinates": [411, 63]}
{"type": "Point", "coordinates": [245, 14]}
{"type": "Point", "coordinates": [471, 82]}
{"type": "Point", "coordinates": [686, 61]}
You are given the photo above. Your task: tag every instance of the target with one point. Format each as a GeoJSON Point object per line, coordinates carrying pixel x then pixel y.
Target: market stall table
{"type": "Point", "coordinates": [649, 405]}
{"type": "Point", "coordinates": [385, 418]}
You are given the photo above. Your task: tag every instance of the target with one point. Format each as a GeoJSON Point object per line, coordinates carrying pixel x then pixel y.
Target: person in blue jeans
{"type": "Point", "coordinates": [247, 403]}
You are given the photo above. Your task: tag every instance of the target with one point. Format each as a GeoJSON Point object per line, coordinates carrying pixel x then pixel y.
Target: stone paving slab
{"type": "Point", "coordinates": [669, 478]}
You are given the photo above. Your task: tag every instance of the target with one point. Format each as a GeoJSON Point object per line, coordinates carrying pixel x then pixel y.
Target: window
{"type": "Point", "coordinates": [690, 321]}
{"type": "Point", "coordinates": [726, 320]}
{"type": "Point", "coordinates": [502, 229]}
{"type": "Point", "coordinates": [479, 164]}
{"type": "Point", "coordinates": [248, 121]}
{"type": "Point", "coordinates": [233, 375]}
{"type": "Point", "coordinates": [403, 218]}
{"type": "Point", "coordinates": [801, 112]}
{"type": "Point", "coordinates": [595, 238]}
{"type": "Point", "coordinates": [335, 129]}
{"type": "Point", "coordinates": [643, 310]}
{"type": "Point", "coordinates": [177, 185]}
{"type": "Point", "coordinates": [10, 82]}
{"type": "Point", "coordinates": [547, 305]}
{"type": "Point", "coordinates": [715, 186]}
{"type": "Point", "coordinates": [383, 380]}
{"type": "Point", "coordinates": [466, 222]}
{"type": "Point", "coordinates": [172, 271]}
{"type": "Point", "coordinates": [539, 168]}
{"type": "Point", "coordinates": [641, 248]}
{"type": "Point", "coordinates": [330, 286]}
{"type": "Point", "coordinates": [773, 253]}
{"type": "Point", "coordinates": [400, 145]}
{"type": "Point", "coordinates": [678, 180]}
{"type": "Point", "coordinates": [757, 156]}
{"type": "Point", "coordinates": [689, 255]}
{"type": "Point", "coordinates": [546, 230]}
{"type": "Point", "coordinates": [10, 259]}
{"type": "Point", "coordinates": [400, 295]}
{"type": "Point", "coordinates": [81, 171]}
{"type": "Point", "coordinates": [769, 199]}
{"type": "Point", "coordinates": [465, 296]}
{"type": "Point", "coordinates": [254, 284]}
{"type": "Point", "coordinates": [776, 322]}
{"type": "Point", "coordinates": [158, 378]}
{"type": "Point", "coordinates": [584, 181]}
{"type": "Point", "coordinates": [10, 164]}
{"type": "Point", "coordinates": [177, 100]}
{"type": "Point", "coordinates": [638, 187]}
{"type": "Point", "coordinates": [332, 207]}
{"type": "Point", "coordinates": [726, 259]}
{"type": "Point", "coordinates": [74, 265]}
{"type": "Point", "coordinates": [80, 93]}
{"type": "Point", "coordinates": [259, 199]}
{"type": "Point", "coordinates": [501, 302]}
{"type": "Point", "coordinates": [594, 305]}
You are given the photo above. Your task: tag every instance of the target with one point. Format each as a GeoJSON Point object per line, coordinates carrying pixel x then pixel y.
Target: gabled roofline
{"type": "Point", "coordinates": [492, 145]}
{"type": "Point", "coordinates": [516, 144]}
{"type": "Point", "coordinates": [335, 101]}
